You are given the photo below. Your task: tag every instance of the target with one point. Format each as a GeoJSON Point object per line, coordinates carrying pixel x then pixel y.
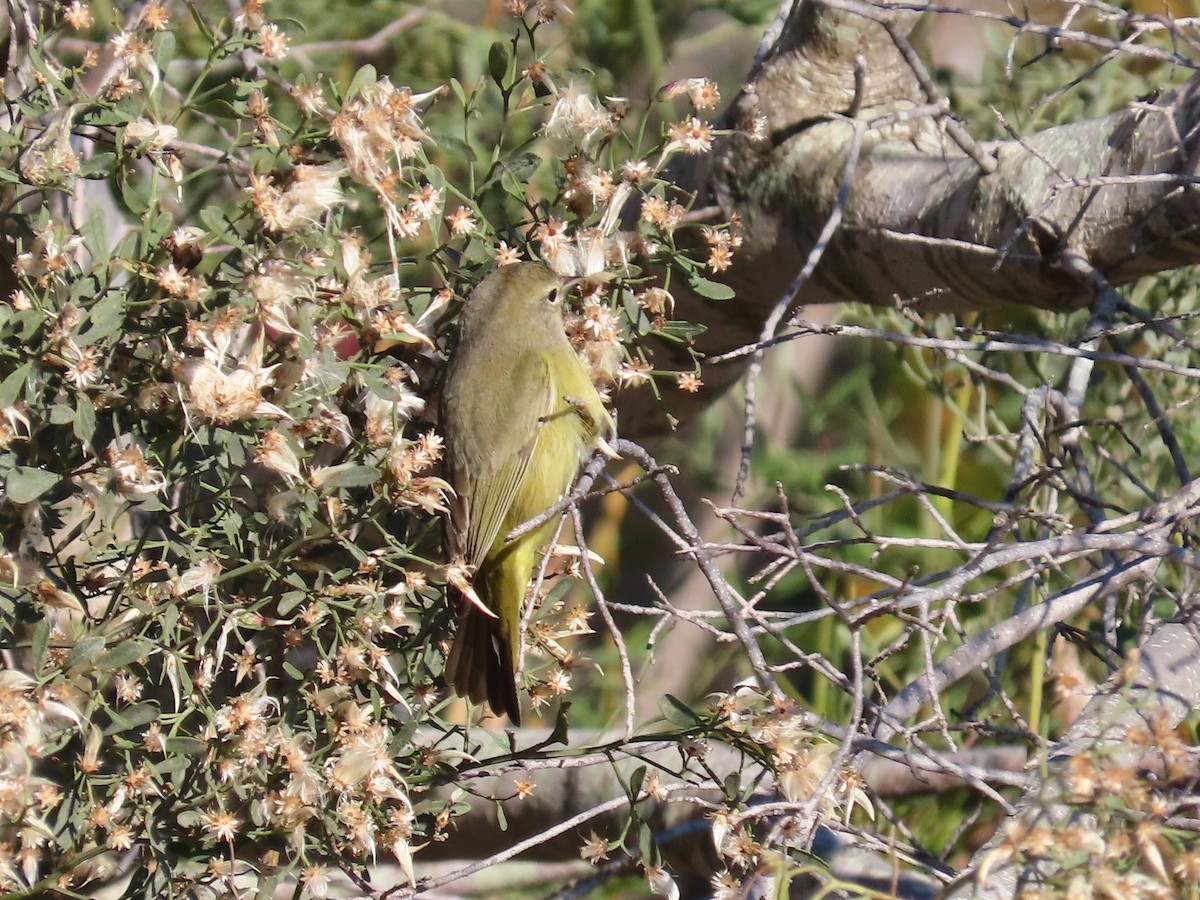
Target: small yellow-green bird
{"type": "Point", "coordinates": [520, 416]}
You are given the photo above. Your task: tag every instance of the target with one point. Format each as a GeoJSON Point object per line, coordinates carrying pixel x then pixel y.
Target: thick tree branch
{"type": "Point", "coordinates": [926, 224]}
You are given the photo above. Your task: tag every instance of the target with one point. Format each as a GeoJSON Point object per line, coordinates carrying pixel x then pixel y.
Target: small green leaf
{"type": "Point", "coordinates": [164, 50]}
{"type": "Point", "coordinates": [217, 224]}
{"type": "Point", "coordinates": [523, 167]}
{"type": "Point", "coordinates": [135, 717]}
{"type": "Point", "coordinates": [172, 764]}
{"type": "Point", "coordinates": [710, 289]}
{"type": "Point", "coordinates": [105, 318]}
{"type": "Point", "coordinates": [200, 22]}
{"type": "Point", "coordinates": [87, 649]}
{"type": "Point", "coordinates": [635, 782]}
{"type": "Point", "coordinates": [364, 76]}
{"type": "Point", "coordinates": [25, 484]}
{"type": "Point", "coordinates": [499, 57]}
{"type": "Point", "coordinates": [456, 146]}
{"type": "Point", "coordinates": [61, 414]}
{"type": "Point", "coordinates": [85, 419]}
{"type": "Point", "coordinates": [133, 193]}
{"type": "Point", "coordinates": [99, 166]}
{"type": "Point", "coordinates": [647, 848]}
{"type": "Point", "coordinates": [10, 387]}
{"type": "Point", "coordinates": [124, 653]}
{"type": "Point", "coordinates": [677, 712]}
{"type": "Point", "coordinates": [290, 601]}
{"type": "Point", "coordinates": [501, 819]}
{"type": "Point", "coordinates": [348, 476]}
{"type": "Point", "coordinates": [39, 641]}
{"type": "Point", "coordinates": [677, 330]}
{"type": "Point", "coordinates": [185, 746]}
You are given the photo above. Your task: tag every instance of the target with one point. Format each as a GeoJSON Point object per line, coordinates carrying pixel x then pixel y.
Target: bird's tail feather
{"type": "Point", "coordinates": [479, 668]}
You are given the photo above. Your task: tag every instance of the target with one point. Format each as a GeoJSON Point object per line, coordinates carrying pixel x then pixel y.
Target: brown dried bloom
{"type": "Point", "coordinates": [311, 99]}
{"type": "Point", "coordinates": [691, 135]}
{"type": "Point", "coordinates": [153, 740]}
{"type": "Point", "coordinates": [155, 16]}
{"type": "Point", "coordinates": [524, 787]}
{"type": "Point", "coordinates": [272, 43]}
{"type": "Point", "coordinates": [656, 301]}
{"type": "Point", "coordinates": [276, 453]}
{"type": "Point", "coordinates": [376, 130]}
{"type": "Point", "coordinates": [82, 364]}
{"type": "Point", "coordinates": [576, 115]}
{"type": "Point", "coordinates": [78, 16]}
{"type": "Point", "coordinates": [702, 93]}
{"type": "Point", "coordinates": [506, 255]}
{"type": "Point", "coordinates": [721, 246]}
{"type": "Point", "coordinates": [131, 473]}
{"type": "Point", "coordinates": [385, 415]}
{"type": "Point", "coordinates": [316, 881]}
{"type": "Point", "coordinates": [220, 824]}
{"type": "Point", "coordinates": [635, 171]}
{"type": "Point", "coordinates": [314, 191]}
{"type": "Point", "coordinates": [595, 849]}
{"type": "Point", "coordinates": [135, 52]}
{"type": "Point", "coordinates": [223, 398]}
{"type": "Point", "coordinates": [662, 213]}
{"type": "Point", "coordinates": [426, 202]}
{"type": "Point", "coordinates": [553, 236]}
{"type": "Point", "coordinates": [461, 221]}
{"type": "Point", "coordinates": [14, 425]}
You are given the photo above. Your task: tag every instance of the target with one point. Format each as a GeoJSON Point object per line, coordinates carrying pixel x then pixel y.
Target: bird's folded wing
{"type": "Point", "coordinates": [489, 494]}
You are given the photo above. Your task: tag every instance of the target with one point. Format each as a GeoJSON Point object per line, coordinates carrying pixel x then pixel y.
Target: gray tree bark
{"type": "Point", "coordinates": [928, 218]}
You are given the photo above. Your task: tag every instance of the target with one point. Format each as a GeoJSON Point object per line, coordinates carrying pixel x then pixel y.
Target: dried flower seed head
{"type": "Point", "coordinates": [506, 255]}
{"type": "Point", "coordinates": [552, 236]}
{"type": "Point", "coordinates": [276, 452]}
{"type": "Point", "coordinates": [426, 202]}
{"type": "Point", "coordinates": [701, 92]}
{"type": "Point", "coordinates": [635, 171]}
{"type": "Point", "coordinates": [376, 130]}
{"type": "Point", "coordinates": [219, 824]}
{"type": "Point", "coordinates": [132, 474]}
{"type": "Point", "coordinates": [82, 364]}
{"type": "Point", "coordinates": [78, 16]}
{"type": "Point", "coordinates": [461, 221]}
{"type": "Point", "coordinates": [656, 301]}
{"type": "Point", "coordinates": [149, 137]}
{"type": "Point", "coordinates": [223, 398]}
{"type": "Point", "coordinates": [316, 881]}
{"type": "Point", "coordinates": [576, 115]}
{"type": "Point", "coordinates": [311, 99]}
{"type": "Point", "coordinates": [662, 213]}
{"type": "Point", "coordinates": [14, 425]}
{"type": "Point", "coordinates": [691, 136]}
{"type": "Point", "coordinates": [155, 16]}
{"type": "Point", "coordinates": [135, 52]}
{"type": "Point", "coordinates": [595, 849]}
{"type": "Point", "coordinates": [272, 43]}
{"type": "Point", "coordinates": [314, 191]}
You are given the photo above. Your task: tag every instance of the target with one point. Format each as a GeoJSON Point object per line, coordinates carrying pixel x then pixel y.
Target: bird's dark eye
{"type": "Point", "coordinates": [552, 297]}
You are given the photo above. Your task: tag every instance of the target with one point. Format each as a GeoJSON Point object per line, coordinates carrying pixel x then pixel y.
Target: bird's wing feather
{"type": "Point", "coordinates": [490, 493]}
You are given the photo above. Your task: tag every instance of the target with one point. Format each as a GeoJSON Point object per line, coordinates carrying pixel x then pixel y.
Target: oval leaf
{"type": "Point", "coordinates": [712, 290]}
{"type": "Point", "coordinates": [25, 484]}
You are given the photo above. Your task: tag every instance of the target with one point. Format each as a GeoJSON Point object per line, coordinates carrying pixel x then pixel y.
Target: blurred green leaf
{"type": "Point", "coordinates": [26, 483]}
{"type": "Point", "coordinates": [677, 712]}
